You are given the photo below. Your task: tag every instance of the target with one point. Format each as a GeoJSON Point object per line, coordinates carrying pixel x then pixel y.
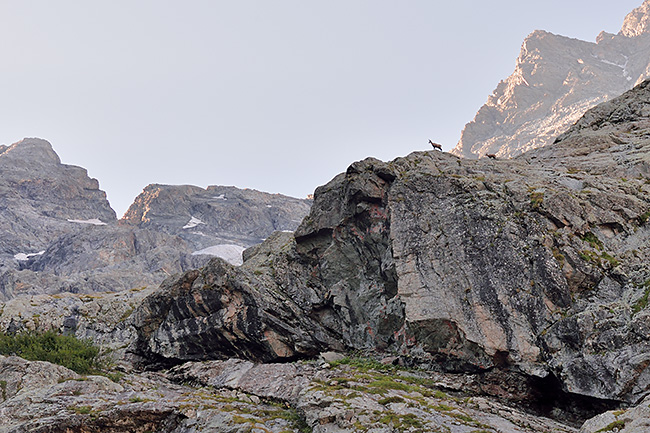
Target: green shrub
{"type": "Point", "coordinates": [593, 240]}
{"type": "Point", "coordinates": [536, 199]}
{"type": "Point", "coordinates": [643, 218]}
{"type": "Point", "coordinates": [393, 399]}
{"type": "Point", "coordinates": [78, 355]}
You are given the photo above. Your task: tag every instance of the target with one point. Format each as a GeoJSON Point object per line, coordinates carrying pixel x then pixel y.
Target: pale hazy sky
{"type": "Point", "coordinates": [276, 95]}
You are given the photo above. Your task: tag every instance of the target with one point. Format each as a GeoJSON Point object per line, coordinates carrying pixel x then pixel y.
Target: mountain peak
{"type": "Point", "coordinates": [556, 79]}
{"type": "Point", "coordinates": [33, 150]}
{"type": "Point", "coordinates": [637, 22]}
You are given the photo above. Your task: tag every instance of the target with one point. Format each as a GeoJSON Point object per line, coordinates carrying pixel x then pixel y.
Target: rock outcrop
{"type": "Point", "coordinates": [633, 420]}
{"type": "Point", "coordinates": [556, 79]}
{"type": "Point", "coordinates": [529, 274]}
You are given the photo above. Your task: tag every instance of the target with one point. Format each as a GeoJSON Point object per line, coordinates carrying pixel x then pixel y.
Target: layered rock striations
{"type": "Point", "coordinates": [556, 79]}
{"type": "Point", "coordinates": [529, 274]}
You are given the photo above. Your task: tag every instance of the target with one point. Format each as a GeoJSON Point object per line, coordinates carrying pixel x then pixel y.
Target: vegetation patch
{"type": "Point", "coordinates": [643, 302]}
{"type": "Point", "coordinates": [297, 421]}
{"type": "Point", "coordinates": [536, 199]}
{"type": "Point", "coordinates": [599, 260]}
{"type": "Point", "coordinates": [80, 356]}
{"type": "Point", "coordinates": [615, 425]}
{"type": "Point", "coordinates": [81, 410]}
{"type": "Point", "coordinates": [593, 240]}
{"type": "Point", "coordinates": [401, 422]}
{"type": "Point", "coordinates": [393, 399]}
{"type": "Point", "coordinates": [644, 217]}
{"type": "Point", "coordinates": [559, 257]}
{"type": "Point", "coordinates": [387, 383]}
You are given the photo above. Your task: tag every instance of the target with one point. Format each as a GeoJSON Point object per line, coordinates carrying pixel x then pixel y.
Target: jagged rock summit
{"type": "Point", "coordinates": [42, 199]}
{"type": "Point", "coordinates": [59, 233]}
{"type": "Point", "coordinates": [637, 22]}
{"type": "Point", "coordinates": [528, 275]}
{"type": "Point", "coordinates": [556, 79]}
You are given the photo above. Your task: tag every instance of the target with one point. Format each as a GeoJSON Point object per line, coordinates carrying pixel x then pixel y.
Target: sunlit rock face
{"type": "Point", "coordinates": [556, 79]}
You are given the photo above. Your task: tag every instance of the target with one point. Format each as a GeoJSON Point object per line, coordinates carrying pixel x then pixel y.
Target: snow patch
{"type": "Point", "coordinates": [23, 257]}
{"type": "Point", "coordinates": [221, 197]}
{"type": "Point", "coordinates": [626, 74]}
{"type": "Point", "coordinates": [94, 221]}
{"type": "Point", "coordinates": [229, 252]}
{"type": "Point", "coordinates": [268, 205]}
{"type": "Point", "coordinates": [193, 223]}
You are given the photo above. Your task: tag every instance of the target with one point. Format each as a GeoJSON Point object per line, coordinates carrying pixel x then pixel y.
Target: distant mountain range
{"type": "Point", "coordinates": [58, 232]}
{"type": "Point", "coordinates": [556, 79]}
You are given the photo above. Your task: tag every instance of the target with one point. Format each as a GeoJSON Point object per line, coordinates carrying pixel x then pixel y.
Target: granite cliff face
{"type": "Point", "coordinates": [556, 79]}
{"type": "Point", "coordinates": [530, 275]}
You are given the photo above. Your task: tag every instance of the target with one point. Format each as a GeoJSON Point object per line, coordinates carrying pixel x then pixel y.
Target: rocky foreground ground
{"type": "Point", "coordinates": [240, 396]}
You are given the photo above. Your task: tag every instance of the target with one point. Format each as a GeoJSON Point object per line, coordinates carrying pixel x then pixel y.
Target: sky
{"type": "Point", "coordinates": [278, 96]}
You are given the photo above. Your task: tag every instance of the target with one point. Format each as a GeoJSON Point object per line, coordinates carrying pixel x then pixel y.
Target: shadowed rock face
{"type": "Point", "coordinates": [533, 269]}
{"type": "Point", "coordinates": [557, 79]}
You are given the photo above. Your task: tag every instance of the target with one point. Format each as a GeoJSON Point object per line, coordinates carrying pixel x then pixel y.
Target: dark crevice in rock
{"type": "Point", "coordinates": [549, 399]}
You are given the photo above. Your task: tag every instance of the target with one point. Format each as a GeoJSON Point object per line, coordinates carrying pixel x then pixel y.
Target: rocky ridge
{"type": "Point", "coordinates": [43, 199]}
{"type": "Point", "coordinates": [215, 217]}
{"type": "Point", "coordinates": [529, 274]}
{"type": "Point", "coordinates": [556, 79]}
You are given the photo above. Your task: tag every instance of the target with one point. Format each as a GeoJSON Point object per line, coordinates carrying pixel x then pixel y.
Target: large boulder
{"type": "Point", "coordinates": [530, 273]}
